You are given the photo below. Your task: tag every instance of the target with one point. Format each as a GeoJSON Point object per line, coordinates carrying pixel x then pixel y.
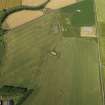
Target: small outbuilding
{"type": "Point", "coordinates": [1, 102]}
{"type": "Point", "coordinates": [10, 102]}
{"type": "Point", "coordinates": [7, 102]}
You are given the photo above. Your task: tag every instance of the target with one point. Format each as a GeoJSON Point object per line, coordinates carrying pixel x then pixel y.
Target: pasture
{"type": "Point", "coordinates": [85, 16]}
{"type": "Point", "coordinates": [69, 77]}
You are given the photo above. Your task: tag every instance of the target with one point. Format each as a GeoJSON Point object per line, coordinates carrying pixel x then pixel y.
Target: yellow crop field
{"type": "Point", "coordinates": [9, 3]}
{"type": "Point", "coordinates": [33, 2]}
{"type": "Point", "coordinates": [20, 18]}
{"type": "Point", "coordinates": [56, 4]}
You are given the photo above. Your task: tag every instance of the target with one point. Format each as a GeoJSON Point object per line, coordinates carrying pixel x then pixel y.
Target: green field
{"type": "Point", "coordinates": [86, 15]}
{"type": "Point", "coordinates": [72, 20]}
{"type": "Point", "coordinates": [69, 78]}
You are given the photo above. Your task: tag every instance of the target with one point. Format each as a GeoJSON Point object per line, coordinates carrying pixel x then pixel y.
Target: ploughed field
{"type": "Point", "coordinates": [19, 18]}
{"type": "Point", "coordinates": [52, 4]}
{"type": "Point", "coordinates": [56, 4]}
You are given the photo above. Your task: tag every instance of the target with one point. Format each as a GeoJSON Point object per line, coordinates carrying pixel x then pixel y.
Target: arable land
{"type": "Point", "coordinates": [50, 56]}
{"type": "Point", "coordinates": [14, 20]}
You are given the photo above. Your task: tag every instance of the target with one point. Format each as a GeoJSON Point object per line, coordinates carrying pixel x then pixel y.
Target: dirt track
{"type": "Point", "coordinates": [19, 18]}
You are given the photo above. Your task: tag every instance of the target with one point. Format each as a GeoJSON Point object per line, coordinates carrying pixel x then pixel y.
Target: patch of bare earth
{"type": "Point", "coordinates": [33, 2]}
{"type": "Point", "coordinates": [56, 4]}
{"type": "Point", "coordinates": [18, 18]}
{"type": "Point", "coordinates": [88, 31]}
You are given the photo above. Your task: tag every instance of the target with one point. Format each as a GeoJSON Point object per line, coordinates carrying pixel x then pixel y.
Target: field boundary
{"type": "Point", "coordinates": [99, 54]}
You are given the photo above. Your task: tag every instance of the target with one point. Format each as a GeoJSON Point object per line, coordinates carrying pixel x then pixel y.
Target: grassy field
{"type": "Point", "coordinates": [29, 36]}
{"type": "Point", "coordinates": [69, 78]}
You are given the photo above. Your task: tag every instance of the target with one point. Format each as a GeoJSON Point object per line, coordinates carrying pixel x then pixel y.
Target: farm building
{"type": "Point", "coordinates": [10, 102]}
{"type": "Point", "coordinates": [88, 31]}
{"type": "Point", "coordinates": [9, 3]}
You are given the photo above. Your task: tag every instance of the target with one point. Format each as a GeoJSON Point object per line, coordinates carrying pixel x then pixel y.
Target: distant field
{"type": "Point", "coordinates": [32, 2]}
{"type": "Point", "coordinates": [9, 3]}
